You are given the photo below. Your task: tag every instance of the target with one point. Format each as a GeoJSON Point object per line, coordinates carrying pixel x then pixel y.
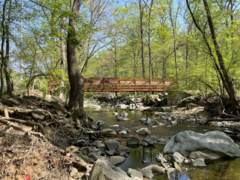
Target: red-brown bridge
{"type": "Point", "coordinates": [129, 85]}
{"type": "Point", "coordinates": [123, 85]}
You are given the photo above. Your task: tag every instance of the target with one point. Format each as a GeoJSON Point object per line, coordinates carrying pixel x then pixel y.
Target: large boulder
{"type": "Point", "coordinates": [104, 169]}
{"type": "Point", "coordinates": [211, 142]}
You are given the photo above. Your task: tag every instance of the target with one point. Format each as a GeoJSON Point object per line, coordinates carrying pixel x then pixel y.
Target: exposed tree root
{"type": "Point", "coordinates": [18, 127]}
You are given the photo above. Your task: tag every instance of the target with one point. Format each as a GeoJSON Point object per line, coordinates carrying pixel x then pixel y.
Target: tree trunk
{"type": "Point", "coordinates": [226, 77]}
{"type": "Point", "coordinates": [76, 79]}
{"type": "Point", "coordinates": [115, 62]}
{"type": "Point", "coordinates": [6, 60]}
{"type": "Point", "coordinates": [141, 32]}
{"type": "Point", "coordinates": [187, 53]}
{"type": "Point", "coordinates": [164, 63]}
{"type": "Point", "coordinates": [2, 46]}
{"type": "Point", "coordinates": [149, 40]}
{"type": "Point", "coordinates": [174, 24]}
{"type": "Point", "coordinates": [63, 61]}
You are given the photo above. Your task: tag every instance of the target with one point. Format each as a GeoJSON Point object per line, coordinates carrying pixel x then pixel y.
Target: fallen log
{"type": "Point", "coordinates": [224, 119]}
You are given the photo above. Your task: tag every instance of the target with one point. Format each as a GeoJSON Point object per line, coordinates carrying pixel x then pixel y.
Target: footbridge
{"type": "Point", "coordinates": [121, 85]}
{"type": "Point", "coordinates": [129, 85]}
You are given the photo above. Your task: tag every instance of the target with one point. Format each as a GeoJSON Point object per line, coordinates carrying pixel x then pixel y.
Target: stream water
{"type": "Point", "coordinates": [224, 169]}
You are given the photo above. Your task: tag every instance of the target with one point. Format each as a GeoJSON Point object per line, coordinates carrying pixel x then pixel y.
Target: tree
{"type": "Point", "coordinates": [141, 8]}
{"type": "Point", "coordinates": [77, 81]}
{"type": "Point", "coordinates": [218, 59]}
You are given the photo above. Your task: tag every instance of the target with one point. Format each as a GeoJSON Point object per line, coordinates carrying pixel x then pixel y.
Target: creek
{"type": "Point", "coordinates": [227, 169]}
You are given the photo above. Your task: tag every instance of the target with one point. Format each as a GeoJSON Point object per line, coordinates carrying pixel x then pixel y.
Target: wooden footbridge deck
{"type": "Point", "coordinates": [129, 85]}
{"type": "Point", "coordinates": [123, 85]}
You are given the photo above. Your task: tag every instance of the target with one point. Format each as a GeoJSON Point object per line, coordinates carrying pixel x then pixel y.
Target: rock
{"type": "Point", "coordinates": [114, 126]}
{"type": "Point", "coordinates": [111, 152]}
{"type": "Point", "coordinates": [123, 150]}
{"type": "Point", "coordinates": [127, 136]}
{"type": "Point", "coordinates": [142, 120]}
{"type": "Point", "coordinates": [108, 132]}
{"type": "Point", "coordinates": [74, 172]}
{"type": "Point", "coordinates": [99, 144]}
{"type": "Point", "coordinates": [143, 143]}
{"type": "Point", "coordinates": [122, 106]}
{"type": "Point", "coordinates": [178, 157]}
{"type": "Point", "coordinates": [157, 169]}
{"type": "Point", "coordinates": [148, 100]}
{"type": "Point", "coordinates": [98, 125]}
{"type": "Point", "coordinates": [148, 121]}
{"type": "Point", "coordinates": [150, 140]}
{"type": "Point", "coordinates": [139, 105]}
{"type": "Point", "coordinates": [117, 160]}
{"type": "Point", "coordinates": [211, 142]}
{"type": "Point", "coordinates": [133, 141]}
{"type": "Point", "coordinates": [147, 172]}
{"type": "Point", "coordinates": [112, 144]}
{"type": "Point", "coordinates": [123, 114]}
{"type": "Point", "coordinates": [185, 101]}
{"type": "Point", "coordinates": [122, 118]}
{"type": "Point", "coordinates": [158, 102]}
{"type": "Point", "coordinates": [168, 126]}
{"type": "Point", "coordinates": [165, 109]}
{"type": "Point", "coordinates": [115, 113]}
{"type": "Point", "coordinates": [134, 174]}
{"type": "Point", "coordinates": [160, 158]}
{"type": "Point", "coordinates": [186, 161]}
{"type": "Point", "coordinates": [122, 132]}
{"type": "Point", "coordinates": [93, 156]}
{"type": "Point", "coordinates": [169, 118]}
{"type": "Point", "coordinates": [219, 124]}
{"type": "Point", "coordinates": [104, 169]}
{"type": "Point", "coordinates": [174, 123]}
{"type": "Point", "coordinates": [162, 124]}
{"type": "Point", "coordinates": [199, 154]}
{"type": "Point", "coordinates": [87, 150]}
{"type": "Point", "coordinates": [143, 131]}
{"type": "Point", "coordinates": [199, 162]}
{"type": "Point", "coordinates": [123, 129]}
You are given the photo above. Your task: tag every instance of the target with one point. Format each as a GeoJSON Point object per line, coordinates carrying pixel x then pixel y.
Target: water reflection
{"type": "Point", "coordinates": [218, 170]}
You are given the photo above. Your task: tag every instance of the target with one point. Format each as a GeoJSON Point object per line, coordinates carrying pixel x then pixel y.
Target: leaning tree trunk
{"type": "Point", "coordinates": [225, 75]}
{"type": "Point", "coordinates": [6, 60]}
{"type": "Point", "coordinates": [76, 79]}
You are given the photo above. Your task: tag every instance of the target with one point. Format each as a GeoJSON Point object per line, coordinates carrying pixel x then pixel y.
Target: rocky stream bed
{"type": "Point", "coordinates": [163, 143]}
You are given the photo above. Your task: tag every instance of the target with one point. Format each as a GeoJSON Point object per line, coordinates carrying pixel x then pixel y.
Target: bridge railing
{"type": "Point", "coordinates": [129, 84]}
{"type": "Point", "coordinates": [121, 85]}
